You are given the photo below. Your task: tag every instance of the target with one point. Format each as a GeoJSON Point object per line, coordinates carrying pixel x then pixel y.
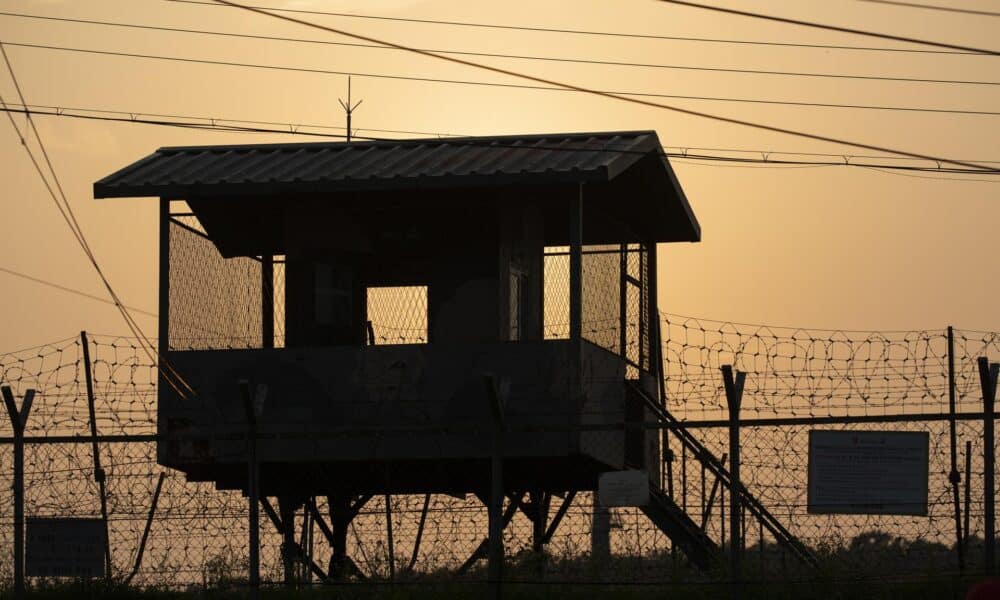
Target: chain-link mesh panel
{"type": "Point", "coordinates": [278, 293]}
{"type": "Point", "coordinates": [555, 302]}
{"type": "Point", "coordinates": [398, 314]}
{"type": "Point", "coordinates": [615, 281]}
{"type": "Point", "coordinates": [601, 303]}
{"type": "Point", "coordinates": [214, 302]}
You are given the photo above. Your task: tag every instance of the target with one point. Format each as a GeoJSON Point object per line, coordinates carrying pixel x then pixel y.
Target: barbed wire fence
{"type": "Point", "coordinates": [797, 380]}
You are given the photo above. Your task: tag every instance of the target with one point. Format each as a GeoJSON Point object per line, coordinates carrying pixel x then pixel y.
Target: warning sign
{"type": "Point", "coordinates": [57, 547]}
{"type": "Point", "coordinates": [623, 488]}
{"type": "Point", "coordinates": [868, 472]}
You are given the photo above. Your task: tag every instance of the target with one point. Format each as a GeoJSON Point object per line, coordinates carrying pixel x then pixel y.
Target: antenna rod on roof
{"type": "Point", "coordinates": [349, 108]}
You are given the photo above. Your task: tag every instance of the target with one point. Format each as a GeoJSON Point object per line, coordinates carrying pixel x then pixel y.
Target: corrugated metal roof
{"type": "Point", "coordinates": [185, 172]}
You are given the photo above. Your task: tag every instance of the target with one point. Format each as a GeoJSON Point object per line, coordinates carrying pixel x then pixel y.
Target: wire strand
{"type": "Point", "coordinates": [612, 34]}
{"type": "Point", "coordinates": [552, 87]}
{"type": "Point", "coordinates": [952, 9]}
{"type": "Point", "coordinates": [874, 34]}
{"type": "Point", "coordinates": [70, 290]}
{"type": "Point", "coordinates": [170, 375]}
{"type": "Point", "coordinates": [511, 56]}
{"type": "Point", "coordinates": [637, 101]}
{"type": "Point", "coordinates": [219, 125]}
{"type": "Point", "coordinates": [296, 128]}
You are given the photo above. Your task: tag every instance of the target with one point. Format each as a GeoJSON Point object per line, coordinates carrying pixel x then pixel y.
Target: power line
{"type": "Point", "coordinates": [290, 128]}
{"type": "Point", "coordinates": [553, 87]}
{"type": "Point", "coordinates": [767, 153]}
{"type": "Point", "coordinates": [637, 101]}
{"type": "Point", "coordinates": [954, 9]}
{"type": "Point", "coordinates": [169, 375]}
{"type": "Point", "coordinates": [219, 125]}
{"type": "Point", "coordinates": [766, 160]}
{"type": "Point", "coordinates": [294, 128]}
{"type": "Point", "coordinates": [884, 36]}
{"type": "Point", "coordinates": [582, 31]}
{"type": "Point", "coordinates": [882, 169]}
{"type": "Point", "coordinates": [250, 36]}
{"type": "Point", "coordinates": [54, 285]}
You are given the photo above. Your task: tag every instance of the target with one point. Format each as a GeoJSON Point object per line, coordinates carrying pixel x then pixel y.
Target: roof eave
{"type": "Point", "coordinates": [178, 191]}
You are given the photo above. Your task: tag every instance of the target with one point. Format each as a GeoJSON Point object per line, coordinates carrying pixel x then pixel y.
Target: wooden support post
{"type": "Point", "coordinates": [576, 272]}
{"type": "Point", "coordinates": [734, 397]}
{"type": "Point", "coordinates": [623, 323]}
{"type": "Point", "coordinates": [99, 476]}
{"type": "Point", "coordinates": [420, 533]}
{"type": "Point", "coordinates": [267, 300]}
{"type": "Point", "coordinates": [496, 551]}
{"type": "Point", "coordinates": [305, 541]}
{"type": "Point", "coordinates": [145, 531]}
{"type": "Point", "coordinates": [988, 380]}
{"type": "Point", "coordinates": [253, 497]}
{"type": "Point", "coordinates": [600, 531]}
{"type": "Point", "coordinates": [291, 553]}
{"type": "Point", "coordinates": [391, 544]}
{"type": "Point", "coordinates": [655, 343]}
{"type": "Point", "coordinates": [558, 517]}
{"type": "Point", "coordinates": [163, 303]}
{"type": "Point", "coordinates": [482, 550]}
{"type": "Point", "coordinates": [18, 420]}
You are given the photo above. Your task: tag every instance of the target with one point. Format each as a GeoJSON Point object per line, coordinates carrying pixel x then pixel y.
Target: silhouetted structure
{"type": "Point", "coordinates": [528, 257]}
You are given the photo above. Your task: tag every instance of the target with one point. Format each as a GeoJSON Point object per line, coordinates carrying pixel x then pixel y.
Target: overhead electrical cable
{"type": "Point", "coordinates": [882, 169]}
{"type": "Point", "coordinates": [557, 59]}
{"type": "Point", "coordinates": [631, 100]}
{"type": "Point", "coordinates": [64, 288]}
{"type": "Point", "coordinates": [837, 28]}
{"type": "Point", "coordinates": [137, 118]}
{"type": "Point", "coordinates": [685, 154]}
{"type": "Point", "coordinates": [552, 87]}
{"type": "Point", "coordinates": [525, 28]}
{"type": "Point", "coordinates": [952, 9]}
{"type": "Point", "coordinates": [298, 128]}
{"type": "Point", "coordinates": [170, 376]}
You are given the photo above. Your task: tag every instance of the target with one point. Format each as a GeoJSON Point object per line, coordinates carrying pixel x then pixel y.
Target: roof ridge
{"type": "Point", "coordinates": [407, 141]}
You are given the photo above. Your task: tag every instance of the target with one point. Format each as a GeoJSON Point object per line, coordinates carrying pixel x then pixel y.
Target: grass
{"type": "Point", "coordinates": [929, 587]}
{"type": "Point", "coordinates": [871, 566]}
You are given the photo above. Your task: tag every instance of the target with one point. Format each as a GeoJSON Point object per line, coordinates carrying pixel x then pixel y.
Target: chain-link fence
{"type": "Point", "coordinates": [797, 381]}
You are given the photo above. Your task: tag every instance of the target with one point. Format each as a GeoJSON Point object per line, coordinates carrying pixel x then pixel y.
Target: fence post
{"type": "Point", "coordinates": [99, 475]}
{"type": "Point", "coordinates": [968, 496]}
{"type": "Point", "coordinates": [496, 551]}
{"type": "Point", "coordinates": [391, 545]}
{"type": "Point", "coordinates": [18, 419]}
{"type": "Point", "coordinates": [734, 397]}
{"type": "Point", "coordinates": [988, 380]}
{"type": "Point", "coordinates": [252, 407]}
{"type": "Point", "coordinates": [953, 476]}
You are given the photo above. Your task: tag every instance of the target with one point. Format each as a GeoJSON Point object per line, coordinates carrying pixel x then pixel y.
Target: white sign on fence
{"type": "Point", "coordinates": [868, 472]}
{"type": "Point", "coordinates": [58, 547]}
{"type": "Point", "coordinates": [623, 488]}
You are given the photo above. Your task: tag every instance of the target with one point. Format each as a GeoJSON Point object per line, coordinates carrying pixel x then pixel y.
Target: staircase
{"type": "Point", "coordinates": [677, 525]}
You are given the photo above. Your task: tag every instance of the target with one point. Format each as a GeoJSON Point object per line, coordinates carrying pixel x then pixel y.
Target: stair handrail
{"type": "Point", "coordinates": [701, 453]}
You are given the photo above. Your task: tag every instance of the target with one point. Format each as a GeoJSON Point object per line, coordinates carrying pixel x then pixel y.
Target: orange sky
{"type": "Point", "coordinates": [832, 247]}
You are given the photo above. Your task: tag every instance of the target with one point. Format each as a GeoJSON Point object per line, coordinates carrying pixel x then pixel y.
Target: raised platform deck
{"type": "Point", "coordinates": [398, 419]}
